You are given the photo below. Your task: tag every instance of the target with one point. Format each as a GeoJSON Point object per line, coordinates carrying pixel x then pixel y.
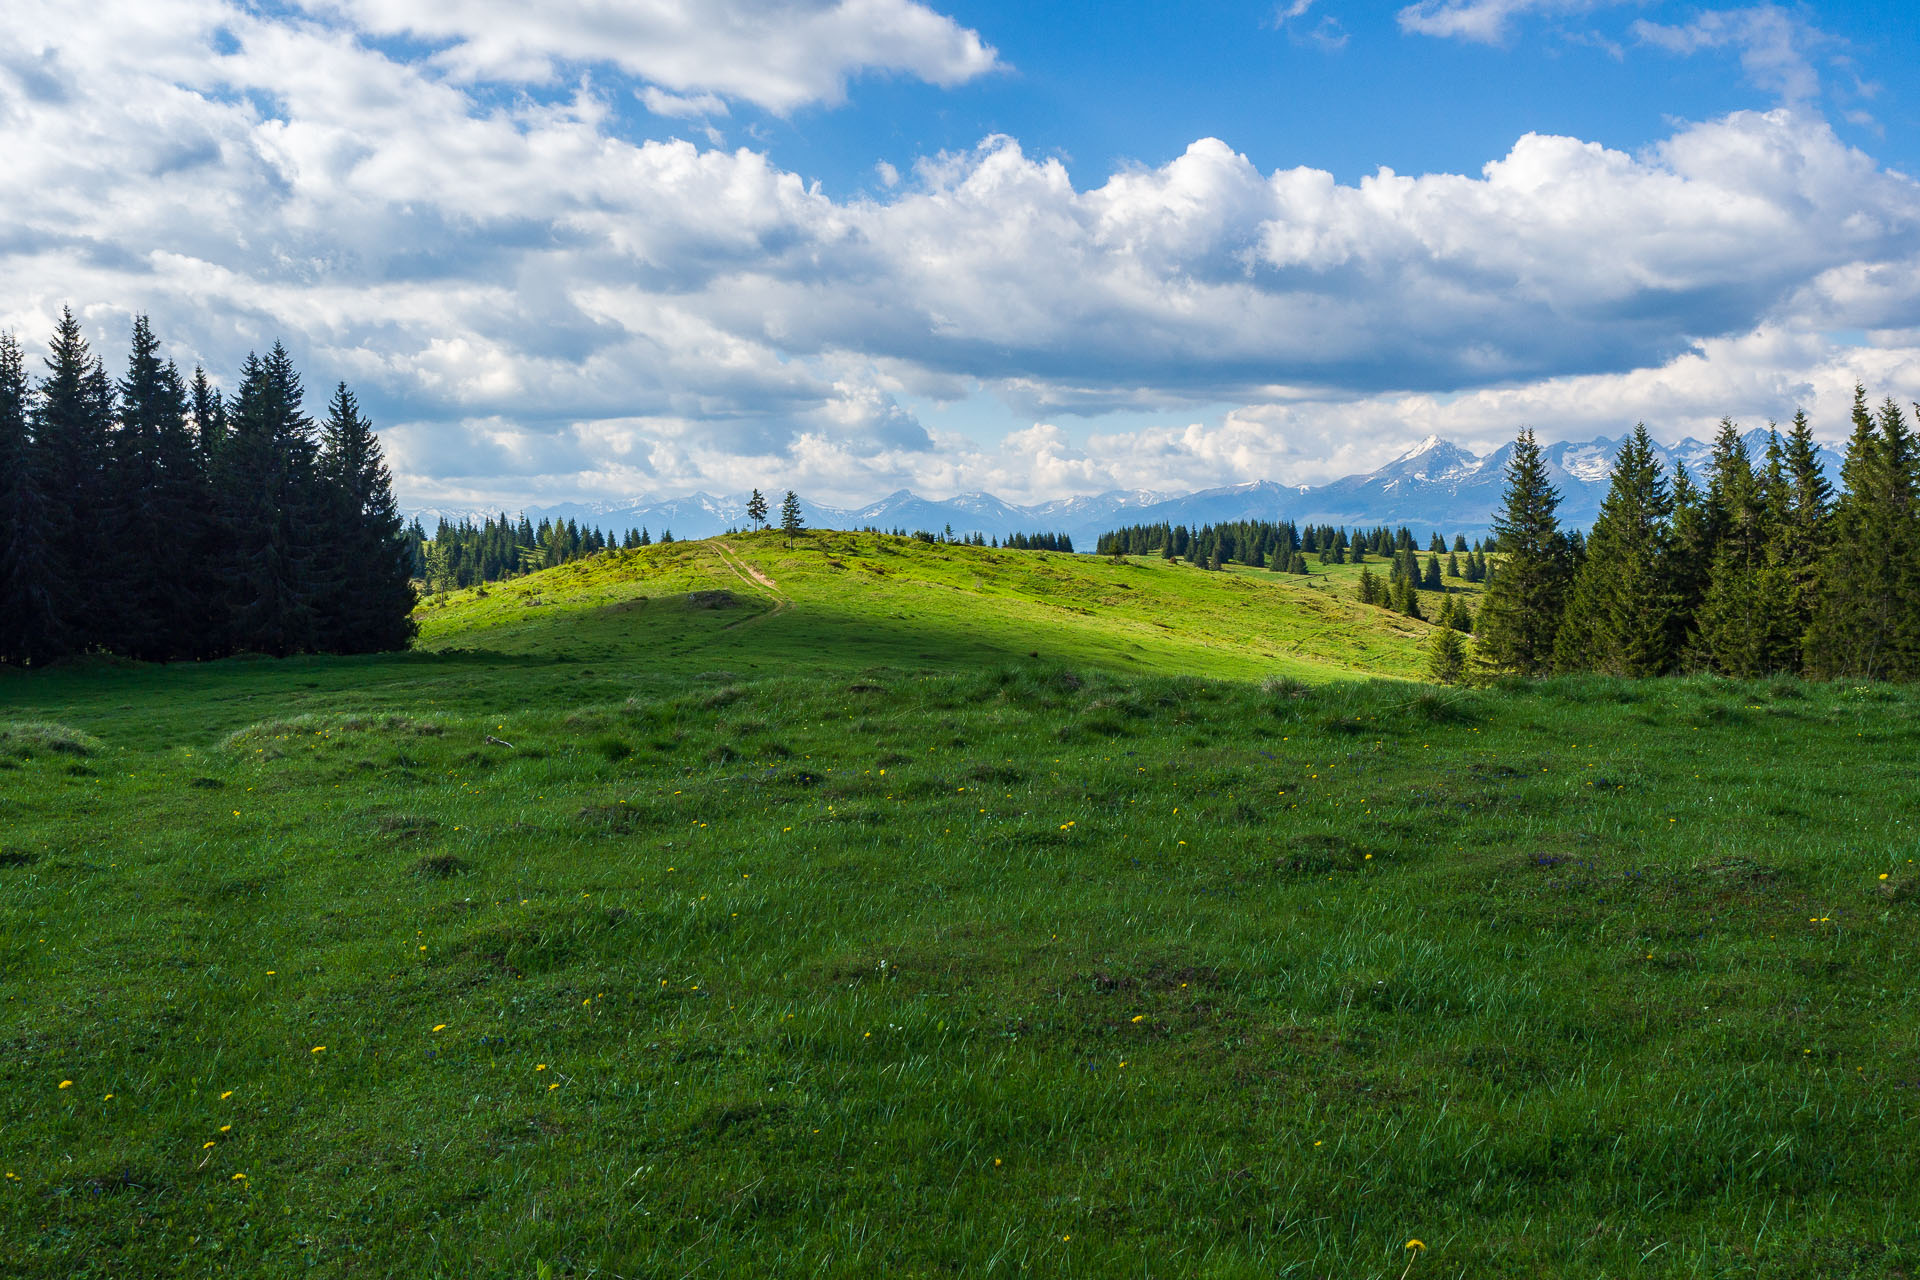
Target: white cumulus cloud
{"type": "Point", "coordinates": [532, 303]}
{"type": "Point", "coordinates": [779, 54]}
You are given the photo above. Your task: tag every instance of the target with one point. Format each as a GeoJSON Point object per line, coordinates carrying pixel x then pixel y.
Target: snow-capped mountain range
{"type": "Point", "coordinates": [1437, 485]}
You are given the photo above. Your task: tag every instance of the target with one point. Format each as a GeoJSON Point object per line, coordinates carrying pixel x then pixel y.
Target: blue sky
{"type": "Point", "coordinates": [580, 250]}
{"type": "Point", "coordinates": [1341, 87]}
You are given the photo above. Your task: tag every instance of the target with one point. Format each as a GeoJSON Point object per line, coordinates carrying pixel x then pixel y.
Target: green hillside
{"type": "Point", "coordinates": [847, 601]}
{"type": "Point", "coordinates": [614, 935]}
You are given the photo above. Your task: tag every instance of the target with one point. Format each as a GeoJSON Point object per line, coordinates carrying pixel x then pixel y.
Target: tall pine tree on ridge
{"type": "Point", "coordinates": [1619, 617]}
{"type": "Point", "coordinates": [1520, 619]}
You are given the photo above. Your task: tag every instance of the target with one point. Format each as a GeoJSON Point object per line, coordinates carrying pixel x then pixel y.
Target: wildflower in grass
{"type": "Point", "coordinates": [319, 1048]}
{"type": "Point", "coordinates": [66, 1084]}
{"type": "Point", "coordinates": [108, 1098]}
{"type": "Point", "coordinates": [441, 1027]}
{"type": "Point", "coordinates": [1139, 1017]}
{"type": "Point", "coordinates": [541, 1067]}
{"type": "Point", "coordinates": [1416, 1245]}
{"type": "Point", "coordinates": [239, 1177]}
{"type": "Point", "coordinates": [223, 1097]}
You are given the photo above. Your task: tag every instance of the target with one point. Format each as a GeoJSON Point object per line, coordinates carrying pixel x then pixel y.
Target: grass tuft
{"type": "Point", "coordinates": [27, 740]}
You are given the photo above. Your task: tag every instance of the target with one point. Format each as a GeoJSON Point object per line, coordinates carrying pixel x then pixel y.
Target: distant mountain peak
{"type": "Point", "coordinates": [1436, 485]}
{"type": "Point", "coordinates": [1427, 445]}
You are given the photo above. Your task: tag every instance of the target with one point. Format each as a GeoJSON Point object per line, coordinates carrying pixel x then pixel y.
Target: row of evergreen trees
{"type": "Point", "coordinates": [152, 517]}
{"type": "Point", "coordinates": [1012, 542]}
{"type": "Point", "coordinates": [1761, 569]}
{"type": "Point", "coordinates": [467, 555]}
{"type": "Point", "coordinates": [1282, 546]}
{"type": "Point", "coordinates": [1407, 578]}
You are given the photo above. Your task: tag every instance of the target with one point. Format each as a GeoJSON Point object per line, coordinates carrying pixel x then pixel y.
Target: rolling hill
{"type": "Point", "coordinates": [749, 603]}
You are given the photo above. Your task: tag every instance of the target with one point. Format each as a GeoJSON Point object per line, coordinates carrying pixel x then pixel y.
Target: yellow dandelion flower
{"type": "Point", "coordinates": [66, 1084]}
{"type": "Point", "coordinates": [239, 1177]}
{"type": "Point", "coordinates": [1417, 1245]}
{"type": "Point", "coordinates": [205, 1145]}
{"type": "Point", "coordinates": [1139, 1017]}
{"type": "Point", "coordinates": [319, 1048]}
{"type": "Point", "coordinates": [541, 1067]}
{"type": "Point", "coordinates": [108, 1098]}
{"type": "Point", "coordinates": [441, 1027]}
{"type": "Point", "coordinates": [223, 1097]}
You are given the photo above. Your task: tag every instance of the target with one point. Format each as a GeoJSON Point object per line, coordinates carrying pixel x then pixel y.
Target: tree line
{"type": "Point", "coordinates": [153, 517]}
{"type": "Point", "coordinates": [1282, 546]}
{"type": "Point", "coordinates": [1757, 568]}
{"type": "Point", "coordinates": [467, 555]}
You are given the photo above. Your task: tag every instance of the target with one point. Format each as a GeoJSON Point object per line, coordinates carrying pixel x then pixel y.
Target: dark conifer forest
{"type": "Point", "coordinates": [149, 516]}
{"type": "Point", "coordinates": [1757, 568]}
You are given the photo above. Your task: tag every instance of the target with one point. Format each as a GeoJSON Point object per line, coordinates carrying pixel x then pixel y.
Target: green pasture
{"type": "Point", "coordinates": [822, 929]}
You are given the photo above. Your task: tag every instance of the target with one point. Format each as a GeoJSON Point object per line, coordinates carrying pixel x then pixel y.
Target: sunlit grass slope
{"type": "Point", "coordinates": [849, 601]}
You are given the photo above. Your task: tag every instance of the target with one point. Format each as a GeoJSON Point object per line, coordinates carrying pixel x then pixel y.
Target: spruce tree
{"type": "Point", "coordinates": [757, 509]}
{"type": "Point", "coordinates": [31, 626]}
{"type": "Point", "coordinates": [1805, 531]}
{"type": "Point", "coordinates": [1369, 587]}
{"type": "Point", "coordinates": [367, 594]}
{"type": "Point", "coordinates": [1867, 620]}
{"type": "Point", "coordinates": [1430, 576]}
{"type": "Point", "coordinates": [791, 524]}
{"type": "Point", "coordinates": [72, 424]}
{"type": "Point", "coordinates": [159, 472]}
{"type": "Point", "coordinates": [1742, 619]}
{"type": "Point", "coordinates": [268, 504]}
{"type": "Point", "coordinates": [1406, 598]}
{"type": "Point", "coordinates": [1619, 617]}
{"type": "Point", "coordinates": [1521, 615]}
{"type": "Point", "coordinates": [1446, 656]}
{"type": "Point", "coordinates": [1690, 559]}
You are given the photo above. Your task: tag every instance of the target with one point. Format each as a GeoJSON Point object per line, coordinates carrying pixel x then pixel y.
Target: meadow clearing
{"type": "Point", "coordinates": [920, 910]}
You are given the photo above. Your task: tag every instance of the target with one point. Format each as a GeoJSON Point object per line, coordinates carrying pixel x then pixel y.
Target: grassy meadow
{"type": "Point", "coordinates": [916, 911]}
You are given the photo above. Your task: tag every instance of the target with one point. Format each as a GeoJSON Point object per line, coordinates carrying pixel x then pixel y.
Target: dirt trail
{"type": "Point", "coordinates": [752, 577]}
